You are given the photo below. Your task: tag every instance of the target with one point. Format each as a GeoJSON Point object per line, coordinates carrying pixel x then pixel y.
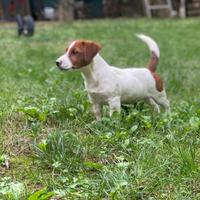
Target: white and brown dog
{"type": "Point", "coordinates": [113, 86]}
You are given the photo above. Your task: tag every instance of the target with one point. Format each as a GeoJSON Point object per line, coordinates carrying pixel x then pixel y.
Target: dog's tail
{"type": "Point", "coordinates": [155, 52]}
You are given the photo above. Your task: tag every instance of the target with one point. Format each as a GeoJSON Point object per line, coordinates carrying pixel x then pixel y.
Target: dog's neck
{"type": "Point", "coordinates": [96, 69]}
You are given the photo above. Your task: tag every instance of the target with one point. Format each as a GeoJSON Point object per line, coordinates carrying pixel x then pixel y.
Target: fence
{"type": "Point", "coordinates": [84, 9]}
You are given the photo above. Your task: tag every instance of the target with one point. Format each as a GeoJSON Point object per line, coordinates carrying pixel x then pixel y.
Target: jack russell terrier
{"type": "Point", "coordinates": [113, 86]}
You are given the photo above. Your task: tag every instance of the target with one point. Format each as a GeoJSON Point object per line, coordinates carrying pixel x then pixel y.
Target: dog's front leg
{"type": "Point", "coordinates": [115, 105]}
{"type": "Point", "coordinates": [97, 110]}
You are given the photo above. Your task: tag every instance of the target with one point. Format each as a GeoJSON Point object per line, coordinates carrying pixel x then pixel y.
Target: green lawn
{"type": "Point", "coordinates": [52, 143]}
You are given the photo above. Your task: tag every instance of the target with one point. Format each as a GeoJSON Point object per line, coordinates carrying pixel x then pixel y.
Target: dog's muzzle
{"type": "Point", "coordinates": [58, 64]}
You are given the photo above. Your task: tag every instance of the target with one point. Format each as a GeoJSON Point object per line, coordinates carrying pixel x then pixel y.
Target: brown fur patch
{"type": "Point", "coordinates": [153, 62]}
{"type": "Point", "coordinates": [82, 52]}
{"type": "Point", "coordinates": [152, 68]}
{"type": "Point", "coordinates": [158, 81]}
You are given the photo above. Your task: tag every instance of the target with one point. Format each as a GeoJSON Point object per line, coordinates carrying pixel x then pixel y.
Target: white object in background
{"type": "Point", "coordinates": [49, 13]}
{"type": "Point", "coordinates": [182, 12]}
{"type": "Point", "coordinates": [166, 5]}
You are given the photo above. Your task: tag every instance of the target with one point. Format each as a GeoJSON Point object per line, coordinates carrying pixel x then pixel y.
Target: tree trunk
{"type": "Point", "coordinates": [66, 10]}
{"type": "Point", "coordinates": [182, 11]}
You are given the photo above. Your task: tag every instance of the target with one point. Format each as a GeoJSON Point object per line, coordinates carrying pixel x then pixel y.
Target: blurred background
{"type": "Point", "coordinates": [67, 10]}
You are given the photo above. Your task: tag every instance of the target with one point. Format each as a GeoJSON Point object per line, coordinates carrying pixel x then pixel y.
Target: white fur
{"type": "Point", "coordinates": [65, 62]}
{"type": "Point", "coordinates": [150, 43]}
{"type": "Point", "coordinates": [113, 86]}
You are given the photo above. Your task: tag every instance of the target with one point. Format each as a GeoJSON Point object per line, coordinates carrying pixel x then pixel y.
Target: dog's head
{"type": "Point", "coordinates": [79, 54]}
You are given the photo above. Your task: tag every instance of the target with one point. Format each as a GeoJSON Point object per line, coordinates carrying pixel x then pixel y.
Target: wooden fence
{"type": "Point", "coordinates": [84, 9]}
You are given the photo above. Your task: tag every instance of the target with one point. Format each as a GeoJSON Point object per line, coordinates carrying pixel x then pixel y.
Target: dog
{"type": "Point", "coordinates": [112, 86]}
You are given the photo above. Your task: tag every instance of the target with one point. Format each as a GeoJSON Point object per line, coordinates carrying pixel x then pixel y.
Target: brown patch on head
{"type": "Point", "coordinates": [82, 52]}
{"type": "Point", "coordinates": [158, 81]}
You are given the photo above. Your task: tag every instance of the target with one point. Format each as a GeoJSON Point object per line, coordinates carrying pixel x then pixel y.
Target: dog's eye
{"type": "Point", "coordinates": [74, 52]}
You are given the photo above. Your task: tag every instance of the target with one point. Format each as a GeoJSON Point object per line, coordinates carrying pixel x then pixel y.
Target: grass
{"type": "Point", "coordinates": [51, 146]}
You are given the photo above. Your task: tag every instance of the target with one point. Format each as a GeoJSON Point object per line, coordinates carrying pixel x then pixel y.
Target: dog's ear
{"type": "Point", "coordinates": [90, 50]}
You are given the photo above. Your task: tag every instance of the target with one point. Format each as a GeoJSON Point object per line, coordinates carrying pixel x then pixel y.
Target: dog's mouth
{"type": "Point", "coordinates": [65, 69]}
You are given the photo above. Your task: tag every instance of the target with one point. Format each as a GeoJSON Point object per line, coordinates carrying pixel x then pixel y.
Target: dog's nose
{"type": "Point", "coordinates": [58, 63]}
